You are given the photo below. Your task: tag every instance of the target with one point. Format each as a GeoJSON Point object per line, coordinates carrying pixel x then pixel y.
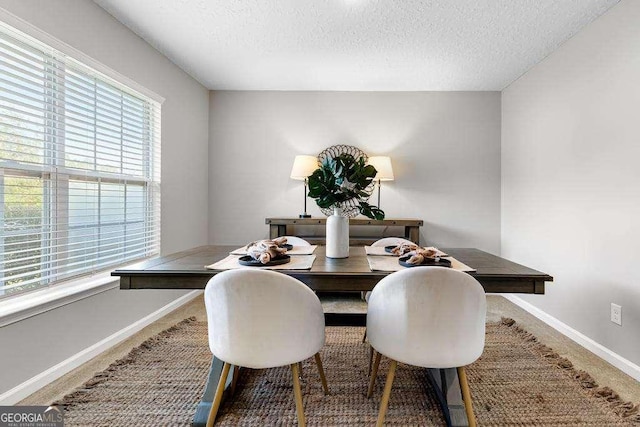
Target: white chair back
{"type": "Point", "coordinates": [297, 241]}
{"type": "Point", "coordinates": [428, 316]}
{"type": "Point", "coordinates": [388, 241]}
{"type": "Point", "coordinates": [262, 319]}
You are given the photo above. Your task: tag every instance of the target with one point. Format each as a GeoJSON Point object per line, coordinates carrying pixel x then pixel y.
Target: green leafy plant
{"type": "Point", "coordinates": [341, 179]}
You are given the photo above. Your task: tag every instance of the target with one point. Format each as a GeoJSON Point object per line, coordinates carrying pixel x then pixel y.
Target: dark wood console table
{"type": "Point", "coordinates": [284, 227]}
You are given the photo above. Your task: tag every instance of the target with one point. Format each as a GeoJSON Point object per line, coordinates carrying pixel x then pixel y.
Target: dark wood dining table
{"type": "Point", "coordinates": [186, 270]}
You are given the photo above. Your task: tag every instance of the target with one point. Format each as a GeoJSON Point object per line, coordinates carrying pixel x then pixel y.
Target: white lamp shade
{"type": "Point", "coordinates": [383, 166]}
{"type": "Point", "coordinates": [303, 166]}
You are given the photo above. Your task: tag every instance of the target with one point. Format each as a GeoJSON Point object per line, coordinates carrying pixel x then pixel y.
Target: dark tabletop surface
{"type": "Point", "coordinates": [353, 272]}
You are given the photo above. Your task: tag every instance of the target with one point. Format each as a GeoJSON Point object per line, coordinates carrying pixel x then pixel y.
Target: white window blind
{"type": "Point", "coordinates": [79, 168]}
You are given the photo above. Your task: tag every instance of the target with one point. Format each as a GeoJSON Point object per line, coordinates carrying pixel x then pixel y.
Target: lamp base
{"type": "Point", "coordinates": [304, 216]}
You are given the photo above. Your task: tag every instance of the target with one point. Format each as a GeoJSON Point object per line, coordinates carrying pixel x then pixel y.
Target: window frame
{"type": "Point", "coordinates": [20, 306]}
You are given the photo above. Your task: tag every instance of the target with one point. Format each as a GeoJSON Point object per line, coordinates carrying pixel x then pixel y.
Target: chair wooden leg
{"type": "Point", "coordinates": [234, 379]}
{"type": "Point", "coordinates": [374, 373]}
{"type": "Point", "coordinates": [325, 387]}
{"type": "Point", "coordinates": [218, 397]}
{"type": "Point", "coordinates": [364, 337]}
{"type": "Point", "coordinates": [387, 392]}
{"type": "Point", "coordinates": [466, 396]}
{"type": "Point", "coordinates": [371, 352]}
{"type": "Point", "coordinates": [298, 394]}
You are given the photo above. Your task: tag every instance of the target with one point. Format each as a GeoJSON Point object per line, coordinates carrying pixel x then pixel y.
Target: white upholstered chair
{"type": "Point", "coordinates": [297, 241]}
{"type": "Point", "coordinates": [388, 241]}
{"type": "Point", "coordinates": [262, 319]}
{"type": "Point", "coordinates": [385, 241]}
{"type": "Point", "coordinates": [432, 317]}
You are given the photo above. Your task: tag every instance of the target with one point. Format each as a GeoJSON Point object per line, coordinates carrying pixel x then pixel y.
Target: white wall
{"type": "Point", "coordinates": [445, 149]}
{"type": "Point", "coordinates": [571, 180]}
{"type": "Point", "coordinates": [88, 28]}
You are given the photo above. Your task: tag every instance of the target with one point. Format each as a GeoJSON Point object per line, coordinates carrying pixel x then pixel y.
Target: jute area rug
{"type": "Point", "coordinates": [517, 382]}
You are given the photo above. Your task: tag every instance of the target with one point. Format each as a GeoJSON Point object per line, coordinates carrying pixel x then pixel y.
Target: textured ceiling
{"type": "Point", "coordinates": [356, 45]}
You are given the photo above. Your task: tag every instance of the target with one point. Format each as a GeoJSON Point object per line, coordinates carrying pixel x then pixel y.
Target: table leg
{"type": "Point", "coordinates": [447, 387]}
{"type": "Point", "coordinates": [204, 407]}
{"type": "Point", "coordinates": [274, 231]}
{"type": "Point", "coordinates": [412, 233]}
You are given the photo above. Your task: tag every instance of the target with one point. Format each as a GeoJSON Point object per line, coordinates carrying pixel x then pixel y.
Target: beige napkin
{"type": "Point", "coordinates": [420, 255]}
{"type": "Point", "coordinates": [301, 262]}
{"type": "Point", "coordinates": [266, 250]}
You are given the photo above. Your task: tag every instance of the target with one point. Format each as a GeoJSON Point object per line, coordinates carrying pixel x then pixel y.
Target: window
{"type": "Point", "coordinates": [79, 168]}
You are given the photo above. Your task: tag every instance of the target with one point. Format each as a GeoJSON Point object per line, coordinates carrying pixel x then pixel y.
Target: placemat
{"type": "Point", "coordinates": [301, 262]}
{"type": "Point", "coordinates": [297, 250]}
{"type": "Point", "coordinates": [376, 251]}
{"type": "Point", "coordinates": [385, 263]}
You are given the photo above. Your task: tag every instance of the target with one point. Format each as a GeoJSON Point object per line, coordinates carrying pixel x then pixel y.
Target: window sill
{"type": "Point", "coordinates": [31, 304]}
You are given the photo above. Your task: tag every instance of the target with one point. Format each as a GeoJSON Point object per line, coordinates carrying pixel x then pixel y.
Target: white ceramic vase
{"type": "Point", "coordinates": [337, 235]}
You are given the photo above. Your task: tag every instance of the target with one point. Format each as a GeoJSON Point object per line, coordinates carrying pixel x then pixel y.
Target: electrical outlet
{"type": "Point", "coordinates": [616, 314]}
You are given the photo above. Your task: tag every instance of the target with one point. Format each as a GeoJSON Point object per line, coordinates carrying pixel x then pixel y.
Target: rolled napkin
{"type": "Point", "coordinates": [404, 248]}
{"type": "Point", "coordinates": [280, 241]}
{"type": "Point", "coordinates": [421, 254]}
{"type": "Point", "coordinates": [265, 250]}
{"type": "Point", "coordinates": [438, 252]}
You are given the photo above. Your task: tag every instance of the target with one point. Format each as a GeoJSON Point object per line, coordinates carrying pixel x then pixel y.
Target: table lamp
{"type": "Point", "coordinates": [385, 171]}
{"type": "Point", "coordinates": [303, 166]}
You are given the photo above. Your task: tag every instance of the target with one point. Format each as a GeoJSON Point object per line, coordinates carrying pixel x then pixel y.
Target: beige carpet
{"type": "Point", "coordinates": [517, 382]}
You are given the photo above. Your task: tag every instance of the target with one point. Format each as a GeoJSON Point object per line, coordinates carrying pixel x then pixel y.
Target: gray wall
{"type": "Point", "coordinates": [445, 149]}
{"type": "Point", "coordinates": [570, 180]}
{"type": "Point", "coordinates": [88, 28]}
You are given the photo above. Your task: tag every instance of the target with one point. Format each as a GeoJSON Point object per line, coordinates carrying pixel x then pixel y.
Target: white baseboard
{"type": "Point", "coordinates": [599, 350]}
{"type": "Point", "coordinates": [35, 383]}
